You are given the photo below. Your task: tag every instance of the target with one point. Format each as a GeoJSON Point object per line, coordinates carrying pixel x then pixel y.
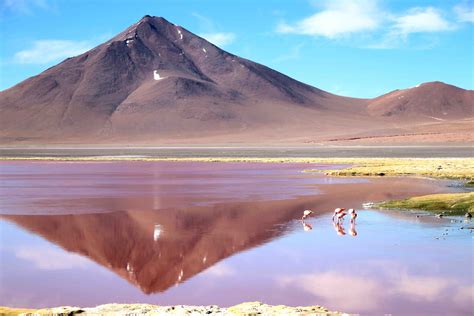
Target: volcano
{"type": "Point", "coordinates": [156, 82]}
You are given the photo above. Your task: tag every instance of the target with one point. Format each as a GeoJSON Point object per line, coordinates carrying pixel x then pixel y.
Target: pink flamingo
{"type": "Point", "coordinates": [339, 229]}
{"type": "Point", "coordinates": [353, 215]}
{"type": "Point", "coordinates": [306, 214]}
{"type": "Point", "coordinates": [338, 213]}
{"type": "Point", "coordinates": [352, 230]}
{"type": "Point", "coordinates": [307, 227]}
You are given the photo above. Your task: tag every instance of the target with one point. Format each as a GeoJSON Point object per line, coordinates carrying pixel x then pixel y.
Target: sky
{"type": "Point", "coordinates": [358, 48]}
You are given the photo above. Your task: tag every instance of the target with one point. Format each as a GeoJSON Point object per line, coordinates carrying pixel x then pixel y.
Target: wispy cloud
{"type": "Point", "coordinates": [338, 18]}
{"type": "Point", "coordinates": [350, 290]}
{"type": "Point", "coordinates": [374, 25]}
{"type": "Point", "coordinates": [204, 22]}
{"type": "Point", "coordinates": [46, 51]}
{"type": "Point", "coordinates": [210, 31]}
{"type": "Point", "coordinates": [219, 38]}
{"type": "Point", "coordinates": [421, 20]}
{"type": "Point", "coordinates": [465, 12]}
{"type": "Point", "coordinates": [51, 259]}
{"type": "Point", "coordinates": [25, 6]}
{"type": "Point", "coordinates": [220, 270]}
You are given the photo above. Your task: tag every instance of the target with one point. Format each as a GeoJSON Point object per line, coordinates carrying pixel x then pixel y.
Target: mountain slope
{"type": "Point", "coordinates": [434, 100]}
{"type": "Point", "coordinates": [156, 82]}
{"type": "Point", "coordinates": [111, 89]}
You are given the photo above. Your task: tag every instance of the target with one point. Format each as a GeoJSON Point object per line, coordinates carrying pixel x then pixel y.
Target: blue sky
{"type": "Point", "coordinates": [360, 48]}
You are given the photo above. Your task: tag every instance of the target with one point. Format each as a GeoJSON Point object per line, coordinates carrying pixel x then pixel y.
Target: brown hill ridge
{"type": "Point", "coordinates": [434, 100]}
{"type": "Point", "coordinates": [156, 82]}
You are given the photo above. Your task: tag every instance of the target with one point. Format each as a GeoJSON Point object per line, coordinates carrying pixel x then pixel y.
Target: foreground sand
{"type": "Point", "coordinates": [250, 308]}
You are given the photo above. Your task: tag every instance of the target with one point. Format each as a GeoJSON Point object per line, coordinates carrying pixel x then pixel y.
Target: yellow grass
{"type": "Point", "coordinates": [449, 203]}
{"type": "Point", "coordinates": [448, 168]}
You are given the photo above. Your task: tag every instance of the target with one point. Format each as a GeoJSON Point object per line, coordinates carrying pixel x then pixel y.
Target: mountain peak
{"type": "Point", "coordinates": [154, 19]}
{"type": "Point", "coordinates": [156, 23]}
{"type": "Point", "coordinates": [154, 28]}
{"type": "Point", "coordinates": [434, 100]}
{"type": "Point", "coordinates": [431, 84]}
{"type": "Point", "coordinates": [435, 85]}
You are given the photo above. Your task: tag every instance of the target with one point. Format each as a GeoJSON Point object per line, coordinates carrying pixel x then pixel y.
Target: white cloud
{"type": "Point", "coordinates": [464, 294]}
{"type": "Point", "coordinates": [204, 22]}
{"type": "Point", "coordinates": [220, 270]}
{"type": "Point", "coordinates": [210, 32]}
{"type": "Point", "coordinates": [51, 258]}
{"type": "Point", "coordinates": [219, 38]}
{"type": "Point", "coordinates": [46, 51]}
{"type": "Point", "coordinates": [415, 21]}
{"type": "Point", "coordinates": [25, 6]}
{"type": "Point", "coordinates": [464, 12]}
{"type": "Point", "coordinates": [422, 288]}
{"type": "Point", "coordinates": [351, 290]}
{"type": "Point", "coordinates": [338, 18]}
{"type": "Point", "coordinates": [421, 20]}
{"type": "Point", "coordinates": [375, 26]}
{"type": "Point", "coordinates": [333, 286]}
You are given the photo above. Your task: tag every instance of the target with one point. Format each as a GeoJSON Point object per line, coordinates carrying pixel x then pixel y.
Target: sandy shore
{"type": "Point", "coordinates": [229, 151]}
{"type": "Point", "coordinates": [249, 308]}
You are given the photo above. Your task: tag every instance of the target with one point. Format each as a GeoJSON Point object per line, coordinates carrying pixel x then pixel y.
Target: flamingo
{"type": "Point", "coordinates": [306, 213]}
{"type": "Point", "coordinates": [340, 216]}
{"type": "Point", "coordinates": [339, 213]}
{"type": "Point", "coordinates": [339, 229]}
{"type": "Point", "coordinates": [352, 230]}
{"type": "Point", "coordinates": [307, 227]}
{"type": "Point", "coordinates": [353, 214]}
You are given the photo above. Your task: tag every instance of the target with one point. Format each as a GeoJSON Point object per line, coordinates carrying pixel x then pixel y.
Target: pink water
{"type": "Point", "coordinates": [87, 233]}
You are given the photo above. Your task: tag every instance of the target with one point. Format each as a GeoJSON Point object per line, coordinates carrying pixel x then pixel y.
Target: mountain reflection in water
{"type": "Point", "coordinates": [157, 249]}
{"type": "Point", "coordinates": [184, 224]}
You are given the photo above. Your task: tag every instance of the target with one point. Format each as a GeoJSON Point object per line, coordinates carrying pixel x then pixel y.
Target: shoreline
{"type": "Point", "coordinates": [248, 308]}
{"type": "Point", "coordinates": [330, 151]}
{"type": "Point", "coordinates": [441, 168]}
{"type": "Point", "coordinates": [443, 204]}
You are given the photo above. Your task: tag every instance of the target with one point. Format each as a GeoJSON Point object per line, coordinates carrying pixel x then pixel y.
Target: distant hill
{"type": "Point", "coordinates": [434, 100]}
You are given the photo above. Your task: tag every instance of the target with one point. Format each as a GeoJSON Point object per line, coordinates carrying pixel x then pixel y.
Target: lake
{"type": "Point", "coordinates": [190, 233]}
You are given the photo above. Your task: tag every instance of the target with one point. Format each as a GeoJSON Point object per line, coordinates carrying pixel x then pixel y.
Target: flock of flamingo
{"type": "Point", "coordinates": [337, 219]}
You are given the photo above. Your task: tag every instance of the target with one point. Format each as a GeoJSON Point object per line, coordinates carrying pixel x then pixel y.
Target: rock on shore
{"type": "Point", "coordinates": [249, 308]}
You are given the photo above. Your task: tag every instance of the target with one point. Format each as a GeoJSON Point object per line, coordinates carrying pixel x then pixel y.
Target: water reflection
{"type": "Point", "coordinates": [352, 230]}
{"type": "Point", "coordinates": [157, 249]}
{"type": "Point", "coordinates": [339, 228]}
{"type": "Point", "coordinates": [159, 225]}
{"type": "Point", "coordinates": [157, 232]}
{"type": "Point", "coordinates": [363, 288]}
{"type": "Point", "coordinates": [306, 227]}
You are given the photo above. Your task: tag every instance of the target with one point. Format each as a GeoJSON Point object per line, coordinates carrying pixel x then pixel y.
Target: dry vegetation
{"type": "Point", "coordinates": [448, 168]}
{"type": "Point", "coordinates": [449, 203]}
